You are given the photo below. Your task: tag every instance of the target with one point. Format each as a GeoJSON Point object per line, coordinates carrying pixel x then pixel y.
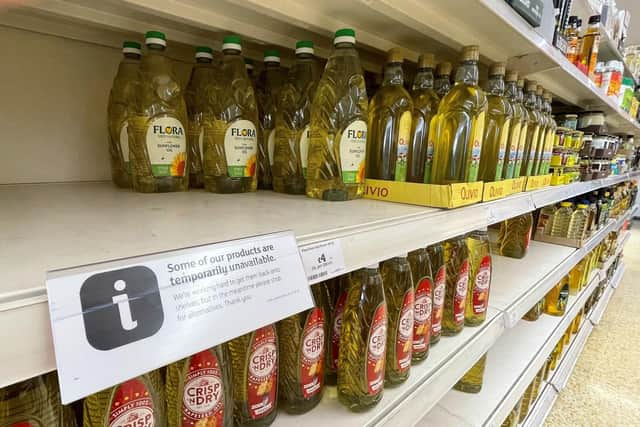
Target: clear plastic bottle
{"type": "Point", "coordinates": [534, 313]}
{"type": "Point", "coordinates": [248, 65]}
{"type": "Point", "coordinates": [513, 139]}
{"type": "Point", "coordinates": [121, 100]}
{"type": "Point", "coordinates": [292, 122]}
{"type": "Point", "coordinates": [399, 295]}
{"type": "Point", "coordinates": [588, 56]}
{"type": "Point", "coordinates": [545, 128]}
{"type": "Point", "coordinates": [578, 223]}
{"type": "Point", "coordinates": [479, 278]}
{"type": "Point", "coordinates": [423, 302]}
{"type": "Point", "coordinates": [456, 257]}
{"type": "Point", "coordinates": [389, 127]}
{"type": "Point", "coordinates": [561, 220]}
{"type": "Point", "coordinates": [471, 382]}
{"type": "Point", "coordinates": [442, 83]}
{"type": "Point", "coordinates": [202, 73]}
{"type": "Point", "coordinates": [514, 236]}
{"type": "Point", "coordinates": [545, 220]}
{"type": "Point", "coordinates": [524, 129]}
{"type": "Point", "coordinates": [230, 145]}
{"type": "Point", "coordinates": [337, 290]}
{"type": "Point", "coordinates": [533, 127]}
{"type": "Point", "coordinates": [158, 143]}
{"type": "Point", "coordinates": [550, 135]}
{"type": "Point", "coordinates": [439, 271]}
{"type": "Point", "coordinates": [425, 106]}
{"type": "Point", "coordinates": [555, 302]}
{"type": "Point", "coordinates": [363, 342]}
{"type": "Point", "coordinates": [339, 114]}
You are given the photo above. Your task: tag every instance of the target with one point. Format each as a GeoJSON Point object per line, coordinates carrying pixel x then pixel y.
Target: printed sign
{"type": "Point", "coordinates": [322, 260]}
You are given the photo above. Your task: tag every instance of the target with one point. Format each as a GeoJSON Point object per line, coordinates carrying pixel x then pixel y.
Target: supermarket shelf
{"type": "Point", "coordinates": [542, 406]}
{"type": "Point", "coordinates": [547, 196]}
{"type": "Point", "coordinates": [615, 282]}
{"type": "Point", "coordinates": [568, 362]}
{"type": "Point", "coordinates": [624, 238]}
{"type": "Point", "coordinates": [598, 311]}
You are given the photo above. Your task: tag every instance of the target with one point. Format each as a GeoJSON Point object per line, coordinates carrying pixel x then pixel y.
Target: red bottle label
{"type": "Point", "coordinates": [527, 239]}
{"type": "Point", "coordinates": [460, 297]}
{"type": "Point", "coordinates": [30, 423]}
{"type": "Point", "coordinates": [262, 379]}
{"type": "Point", "coordinates": [376, 350]}
{"type": "Point", "coordinates": [335, 330]}
{"type": "Point", "coordinates": [438, 300]}
{"type": "Point", "coordinates": [131, 405]}
{"type": "Point", "coordinates": [404, 334]}
{"type": "Point", "coordinates": [481, 286]}
{"type": "Point", "coordinates": [312, 354]}
{"type": "Point", "coordinates": [203, 394]}
{"type": "Point", "coordinates": [422, 315]}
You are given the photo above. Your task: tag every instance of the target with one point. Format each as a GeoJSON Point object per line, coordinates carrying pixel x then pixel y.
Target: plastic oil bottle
{"type": "Point", "coordinates": [442, 83]}
{"type": "Point", "coordinates": [534, 313]}
{"type": "Point", "coordinates": [339, 113]}
{"type": "Point", "coordinates": [423, 303]}
{"type": "Point", "coordinates": [456, 256]}
{"type": "Point", "coordinates": [140, 398]}
{"type": "Point", "coordinates": [158, 143]}
{"type": "Point", "coordinates": [301, 340]}
{"type": "Point", "coordinates": [551, 132]}
{"type": "Point", "coordinates": [524, 129]}
{"type": "Point", "coordinates": [292, 123]}
{"type": "Point", "coordinates": [545, 128]}
{"type": "Point", "coordinates": [578, 223]}
{"type": "Point", "coordinates": [202, 73]}
{"type": "Point", "coordinates": [514, 236]}
{"type": "Point", "coordinates": [389, 128]}
{"type": "Point", "coordinates": [254, 367]}
{"type": "Point", "coordinates": [588, 56]}
{"type": "Point", "coordinates": [425, 106]}
{"type": "Point", "coordinates": [121, 100]}
{"type": "Point", "coordinates": [363, 342]}
{"type": "Point", "coordinates": [471, 382]}
{"type": "Point", "coordinates": [439, 271]}
{"type": "Point", "coordinates": [458, 128]}
{"type": "Point", "coordinates": [248, 65]}
{"type": "Point", "coordinates": [496, 126]}
{"type": "Point", "coordinates": [562, 220]}
{"type": "Point", "coordinates": [513, 139]}
{"type": "Point", "coordinates": [198, 389]}
{"type": "Point", "coordinates": [399, 295]}
{"type": "Point", "coordinates": [270, 83]}
{"type": "Point", "coordinates": [545, 220]}
{"type": "Point", "coordinates": [533, 127]}
{"type": "Point", "coordinates": [555, 302]}
{"type": "Point", "coordinates": [230, 147]}
{"type": "Point", "coordinates": [336, 290]}
{"type": "Point", "coordinates": [480, 278]}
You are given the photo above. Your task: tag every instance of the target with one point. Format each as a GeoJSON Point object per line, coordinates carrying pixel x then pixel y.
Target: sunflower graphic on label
{"type": "Point", "coordinates": [353, 147]}
{"type": "Point", "coordinates": [241, 148]}
{"type": "Point", "coordinates": [167, 146]}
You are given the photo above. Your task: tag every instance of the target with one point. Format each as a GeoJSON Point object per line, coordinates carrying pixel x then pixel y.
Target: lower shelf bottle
{"type": "Point", "coordinates": [439, 271]}
{"type": "Point", "coordinates": [555, 302]}
{"type": "Point", "coordinates": [301, 344]}
{"type": "Point", "coordinates": [527, 400]}
{"type": "Point", "coordinates": [398, 293]}
{"type": "Point", "coordinates": [456, 257]}
{"type": "Point", "coordinates": [140, 398]}
{"type": "Point", "coordinates": [198, 390]}
{"type": "Point", "coordinates": [514, 236]}
{"type": "Point", "coordinates": [336, 297]}
{"type": "Point", "coordinates": [512, 418]}
{"type": "Point", "coordinates": [471, 382]}
{"type": "Point", "coordinates": [423, 302]}
{"type": "Point", "coordinates": [534, 313]}
{"type": "Point", "coordinates": [254, 367]}
{"type": "Point", "coordinates": [479, 278]}
{"type": "Point", "coordinates": [363, 341]}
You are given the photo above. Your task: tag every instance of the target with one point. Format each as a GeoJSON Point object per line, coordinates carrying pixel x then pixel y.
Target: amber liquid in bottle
{"type": "Point", "coordinates": [533, 128]}
{"type": "Point", "coordinates": [363, 342]}
{"type": "Point", "coordinates": [527, 400]}
{"type": "Point", "coordinates": [544, 132]}
{"type": "Point", "coordinates": [439, 271]}
{"type": "Point", "coordinates": [534, 313]}
{"type": "Point", "coordinates": [515, 126]}
{"type": "Point", "coordinates": [524, 129]}
{"type": "Point", "coordinates": [588, 56]}
{"type": "Point", "coordinates": [336, 297]}
{"type": "Point", "coordinates": [442, 82]}
{"type": "Point", "coordinates": [555, 302]}
{"type": "Point", "coordinates": [514, 236]}
{"type": "Point", "coordinates": [480, 278]}
{"type": "Point", "coordinates": [471, 382]}
{"type": "Point", "coordinates": [423, 303]}
{"type": "Point", "coordinates": [456, 257]}
{"type": "Point", "coordinates": [270, 83]}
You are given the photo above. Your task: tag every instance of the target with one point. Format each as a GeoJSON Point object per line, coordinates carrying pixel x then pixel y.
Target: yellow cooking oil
{"type": "Point", "coordinates": [439, 271]}
{"type": "Point", "coordinates": [471, 381]}
{"type": "Point", "coordinates": [423, 303]}
{"type": "Point", "coordinates": [514, 236]}
{"type": "Point", "coordinates": [336, 291]}
{"type": "Point", "coordinates": [442, 82]}
{"type": "Point", "coordinates": [456, 256]}
{"type": "Point", "coordinates": [339, 113]}
{"type": "Point", "coordinates": [555, 302]}
{"type": "Point", "coordinates": [158, 141]}
{"type": "Point", "coordinates": [479, 278]}
{"type": "Point", "coordinates": [524, 129]}
{"type": "Point", "coordinates": [545, 164]}
{"type": "Point", "coordinates": [578, 224]}
{"type": "Point", "coordinates": [545, 129]}
{"type": "Point", "coordinates": [562, 220]}
{"type": "Point", "coordinates": [515, 125]}
{"type": "Point", "coordinates": [533, 127]}
{"type": "Point", "coordinates": [458, 128]}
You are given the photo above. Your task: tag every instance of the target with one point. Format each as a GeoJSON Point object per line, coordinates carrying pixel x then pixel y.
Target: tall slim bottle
{"type": "Point", "coordinates": [339, 114]}
{"type": "Point", "coordinates": [456, 257]}
{"type": "Point", "coordinates": [423, 303]}
{"type": "Point", "coordinates": [545, 164]}
{"type": "Point", "coordinates": [479, 278]}
{"type": "Point", "coordinates": [336, 290]}
{"type": "Point", "coordinates": [543, 132]}
{"type": "Point", "coordinates": [515, 126]}
{"type": "Point", "coordinates": [533, 128]}
{"type": "Point", "coordinates": [458, 128]}
{"type": "Point", "coordinates": [230, 146]}
{"type": "Point", "coordinates": [292, 122]}
{"type": "Point", "coordinates": [389, 128]}
{"type": "Point", "coordinates": [471, 382]}
{"type": "Point", "coordinates": [496, 126]}
{"type": "Point", "coordinates": [119, 109]}
{"type": "Point", "coordinates": [425, 106]}
{"type": "Point", "coordinates": [442, 83]}
{"type": "Point", "coordinates": [439, 271]}
{"type": "Point", "coordinates": [588, 56]}
{"type": "Point", "coordinates": [524, 130]}
{"type": "Point", "coordinates": [363, 342]}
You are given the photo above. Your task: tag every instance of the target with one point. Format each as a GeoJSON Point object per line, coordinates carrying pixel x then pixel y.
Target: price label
{"type": "Point", "coordinates": [116, 320]}
{"type": "Point", "coordinates": [322, 260]}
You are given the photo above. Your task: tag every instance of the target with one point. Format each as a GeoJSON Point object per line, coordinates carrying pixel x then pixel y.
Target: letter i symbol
{"type": "Point", "coordinates": [124, 308]}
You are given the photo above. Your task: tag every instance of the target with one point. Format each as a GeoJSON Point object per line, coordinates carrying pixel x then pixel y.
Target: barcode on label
{"type": "Point", "coordinates": [318, 275]}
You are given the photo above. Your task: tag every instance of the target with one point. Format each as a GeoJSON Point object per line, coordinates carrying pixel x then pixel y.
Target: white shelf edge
{"type": "Point", "coordinates": [567, 363]}
{"type": "Point", "coordinates": [542, 406]}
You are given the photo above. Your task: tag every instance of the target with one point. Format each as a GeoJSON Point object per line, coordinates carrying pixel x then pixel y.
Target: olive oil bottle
{"type": "Point", "coordinates": [270, 83]}
{"type": "Point", "coordinates": [141, 399]}
{"type": "Point", "coordinates": [524, 129]}
{"type": "Point", "coordinates": [230, 147]}
{"type": "Point", "coordinates": [301, 341]}
{"type": "Point", "coordinates": [545, 164]}
{"type": "Point", "coordinates": [480, 278]}
{"type": "Point", "coordinates": [439, 271]}
{"type": "Point", "coordinates": [399, 295]}
{"type": "Point", "coordinates": [496, 126]}
{"type": "Point", "coordinates": [363, 342]}
{"type": "Point", "coordinates": [513, 139]}
{"type": "Point", "coordinates": [514, 236]}
{"type": "Point", "coordinates": [293, 115]}
{"type": "Point", "coordinates": [198, 389]}
{"type": "Point", "coordinates": [423, 302]}
{"type": "Point", "coordinates": [125, 85]}
{"type": "Point", "coordinates": [336, 290]}
{"type": "Point", "coordinates": [202, 73]}
{"type": "Point", "coordinates": [389, 128]}
{"type": "Point", "coordinates": [533, 127]}
{"type": "Point", "coordinates": [254, 367]}
{"type": "Point", "coordinates": [456, 256]}
{"type": "Point", "coordinates": [458, 128]}
{"type": "Point", "coordinates": [442, 84]}
{"type": "Point", "coordinates": [425, 106]}
{"type": "Point", "coordinates": [471, 382]}
{"type": "Point", "coordinates": [544, 132]}
{"type": "Point", "coordinates": [527, 400]}
{"type": "Point", "coordinates": [158, 141]}
{"type": "Point", "coordinates": [339, 112]}
{"type": "Point", "coordinates": [555, 302]}
{"type": "Point", "coordinates": [534, 313]}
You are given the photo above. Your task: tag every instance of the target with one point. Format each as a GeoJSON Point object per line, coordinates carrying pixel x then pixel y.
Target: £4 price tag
{"type": "Point", "coordinates": [322, 260]}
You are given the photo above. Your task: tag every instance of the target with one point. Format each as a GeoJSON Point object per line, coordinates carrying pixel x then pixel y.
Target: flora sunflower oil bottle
{"type": "Point", "coordinates": [158, 143]}
{"type": "Point", "coordinates": [339, 112]}
{"type": "Point", "coordinates": [118, 110]}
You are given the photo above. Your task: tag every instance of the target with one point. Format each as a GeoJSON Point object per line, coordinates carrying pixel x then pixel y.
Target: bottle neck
{"type": "Point", "coordinates": [344, 45]}
{"type": "Point", "coordinates": [495, 86]}
{"type": "Point", "coordinates": [132, 56]}
{"type": "Point", "coordinates": [271, 65]}
{"type": "Point", "coordinates": [231, 52]}
{"type": "Point", "coordinates": [511, 91]}
{"type": "Point", "coordinates": [530, 99]}
{"type": "Point", "coordinates": [393, 74]}
{"type": "Point", "coordinates": [203, 60]}
{"type": "Point", "coordinates": [155, 48]}
{"type": "Point", "coordinates": [520, 98]}
{"type": "Point", "coordinates": [424, 79]}
{"type": "Point", "coordinates": [467, 73]}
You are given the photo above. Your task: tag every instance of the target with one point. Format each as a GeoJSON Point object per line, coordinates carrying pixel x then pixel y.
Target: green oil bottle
{"type": "Point", "coordinates": [534, 127]}
{"type": "Point", "coordinates": [513, 139]}
{"type": "Point", "coordinates": [524, 130]}
{"type": "Point", "coordinates": [545, 164]}
{"type": "Point", "coordinates": [442, 83]}
{"type": "Point", "coordinates": [543, 133]}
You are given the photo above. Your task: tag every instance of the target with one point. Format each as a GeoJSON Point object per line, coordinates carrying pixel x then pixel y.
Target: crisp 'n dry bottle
{"type": "Point", "coordinates": [198, 390]}
{"type": "Point", "coordinates": [336, 297]}
{"type": "Point", "coordinates": [301, 340]}
{"type": "Point", "coordinates": [363, 341]}
{"type": "Point", "coordinates": [439, 271]}
{"type": "Point", "coordinates": [398, 292]}
{"type": "Point", "coordinates": [456, 257]}
{"type": "Point", "coordinates": [140, 399]}
{"type": "Point", "coordinates": [423, 302]}
{"type": "Point", "coordinates": [471, 382]}
{"type": "Point", "coordinates": [480, 278]}
{"type": "Point", "coordinates": [254, 361]}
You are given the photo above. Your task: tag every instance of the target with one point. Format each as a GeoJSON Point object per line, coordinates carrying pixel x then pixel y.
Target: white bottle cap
{"type": "Point", "coordinates": [373, 266]}
{"type": "Point", "coordinates": [204, 55]}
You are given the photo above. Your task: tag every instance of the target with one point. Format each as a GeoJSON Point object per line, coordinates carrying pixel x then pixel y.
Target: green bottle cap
{"type": "Point", "coordinates": [345, 35]}
{"type": "Point", "coordinates": [304, 46]}
{"type": "Point", "coordinates": [204, 52]}
{"type": "Point", "coordinates": [155, 37]}
{"type": "Point", "coordinates": [271, 55]}
{"type": "Point", "coordinates": [232, 42]}
{"type": "Point", "coordinates": [131, 47]}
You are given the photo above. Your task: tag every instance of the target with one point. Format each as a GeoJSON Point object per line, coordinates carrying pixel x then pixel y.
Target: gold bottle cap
{"type": "Point", "coordinates": [497, 69]}
{"type": "Point", "coordinates": [511, 76]}
{"type": "Point", "coordinates": [520, 83]}
{"type": "Point", "coordinates": [539, 90]}
{"type": "Point", "coordinates": [395, 55]}
{"type": "Point", "coordinates": [531, 85]}
{"type": "Point", "coordinates": [470, 53]}
{"type": "Point", "coordinates": [443, 69]}
{"type": "Point", "coordinates": [426, 60]}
